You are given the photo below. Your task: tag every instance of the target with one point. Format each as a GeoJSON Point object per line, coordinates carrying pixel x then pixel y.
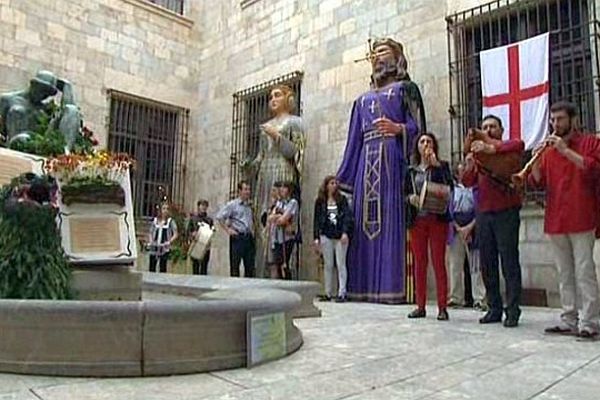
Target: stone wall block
{"type": "Point", "coordinates": [12, 16]}
{"type": "Point", "coordinates": [27, 36]}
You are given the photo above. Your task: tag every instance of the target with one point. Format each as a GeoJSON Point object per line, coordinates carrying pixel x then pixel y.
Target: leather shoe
{"type": "Point", "coordinates": [587, 335]}
{"type": "Point", "coordinates": [561, 330]}
{"type": "Point", "coordinates": [443, 315]}
{"type": "Point", "coordinates": [417, 313]}
{"type": "Point", "coordinates": [490, 318]}
{"type": "Point", "coordinates": [340, 299]}
{"type": "Point", "coordinates": [511, 322]}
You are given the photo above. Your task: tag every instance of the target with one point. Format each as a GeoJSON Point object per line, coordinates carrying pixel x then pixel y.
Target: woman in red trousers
{"type": "Point", "coordinates": [428, 229]}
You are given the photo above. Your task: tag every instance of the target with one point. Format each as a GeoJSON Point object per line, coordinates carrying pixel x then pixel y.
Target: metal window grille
{"type": "Point", "coordinates": [250, 109]}
{"type": "Point", "coordinates": [172, 5]}
{"type": "Point", "coordinates": [574, 62]}
{"type": "Point", "coordinates": [155, 135]}
{"type": "Point", "coordinates": [247, 3]}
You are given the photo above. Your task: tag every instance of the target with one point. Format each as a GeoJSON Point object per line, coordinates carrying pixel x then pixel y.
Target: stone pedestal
{"type": "Point", "coordinates": [99, 233]}
{"type": "Point", "coordinates": [107, 283]}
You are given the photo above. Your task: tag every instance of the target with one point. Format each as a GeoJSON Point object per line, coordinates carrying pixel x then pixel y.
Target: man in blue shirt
{"type": "Point", "coordinates": [237, 221]}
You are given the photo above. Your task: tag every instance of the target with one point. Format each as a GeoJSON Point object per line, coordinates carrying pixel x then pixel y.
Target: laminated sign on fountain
{"type": "Point", "coordinates": [95, 207]}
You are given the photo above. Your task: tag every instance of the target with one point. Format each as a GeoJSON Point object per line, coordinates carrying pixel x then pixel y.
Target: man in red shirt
{"type": "Point", "coordinates": [568, 171]}
{"type": "Point", "coordinates": [498, 223]}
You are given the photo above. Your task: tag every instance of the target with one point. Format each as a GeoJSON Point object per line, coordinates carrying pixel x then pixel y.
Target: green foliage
{"type": "Point", "coordinates": [32, 262]}
{"type": "Point", "coordinates": [179, 248]}
{"type": "Point", "coordinates": [178, 253]}
{"type": "Point", "coordinates": [47, 141]}
{"type": "Point", "coordinates": [44, 141]}
{"type": "Point", "coordinates": [95, 181]}
{"type": "Point", "coordinates": [92, 190]}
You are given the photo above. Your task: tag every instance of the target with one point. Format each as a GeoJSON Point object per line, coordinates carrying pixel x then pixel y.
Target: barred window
{"type": "Point", "coordinates": [155, 135]}
{"type": "Point", "coordinates": [172, 5]}
{"type": "Point", "coordinates": [250, 109]}
{"type": "Point", "coordinates": [573, 55]}
{"type": "Point", "coordinates": [247, 3]}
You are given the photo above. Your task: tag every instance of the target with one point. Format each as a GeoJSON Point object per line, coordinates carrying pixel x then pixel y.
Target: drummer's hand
{"type": "Point", "coordinates": [388, 127]}
{"type": "Point", "coordinates": [344, 239]}
{"type": "Point", "coordinates": [232, 232]}
{"type": "Point", "coordinates": [479, 146]}
{"type": "Point", "coordinates": [281, 221]}
{"type": "Point", "coordinates": [414, 200]}
{"type": "Point", "coordinates": [469, 234]}
{"type": "Point", "coordinates": [468, 238]}
{"type": "Point", "coordinates": [463, 232]}
{"type": "Point", "coordinates": [317, 246]}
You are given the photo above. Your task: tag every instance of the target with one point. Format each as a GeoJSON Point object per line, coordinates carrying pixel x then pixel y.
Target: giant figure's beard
{"type": "Point", "coordinates": [383, 70]}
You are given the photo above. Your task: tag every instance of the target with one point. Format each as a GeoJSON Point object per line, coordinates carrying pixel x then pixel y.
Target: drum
{"type": "Point", "coordinates": [201, 241]}
{"type": "Point", "coordinates": [434, 197]}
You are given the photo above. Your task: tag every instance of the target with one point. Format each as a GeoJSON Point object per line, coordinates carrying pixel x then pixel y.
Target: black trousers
{"type": "Point", "coordinates": [162, 262]}
{"type": "Point", "coordinates": [200, 267]}
{"type": "Point", "coordinates": [499, 235]}
{"type": "Point", "coordinates": [468, 284]}
{"type": "Point", "coordinates": [242, 248]}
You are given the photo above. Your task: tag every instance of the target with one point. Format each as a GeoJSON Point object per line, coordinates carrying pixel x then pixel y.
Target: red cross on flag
{"type": "Point", "coordinates": [515, 87]}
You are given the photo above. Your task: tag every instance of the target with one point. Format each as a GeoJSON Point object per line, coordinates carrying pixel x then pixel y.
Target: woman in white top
{"type": "Point", "coordinates": [163, 232]}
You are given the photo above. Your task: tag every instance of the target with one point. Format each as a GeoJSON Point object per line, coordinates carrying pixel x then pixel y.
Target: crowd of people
{"type": "Point", "coordinates": [392, 183]}
{"type": "Point", "coordinates": [480, 225]}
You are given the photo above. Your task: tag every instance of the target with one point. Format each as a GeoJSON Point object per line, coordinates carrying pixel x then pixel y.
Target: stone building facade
{"type": "Point", "coordinates": [98, 45]}
{"type": "Point", "coordinates": [198, 60]}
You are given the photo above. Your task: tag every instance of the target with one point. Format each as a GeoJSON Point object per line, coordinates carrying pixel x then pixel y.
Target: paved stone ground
{"type": "Point", "coordinates": [365, 351]}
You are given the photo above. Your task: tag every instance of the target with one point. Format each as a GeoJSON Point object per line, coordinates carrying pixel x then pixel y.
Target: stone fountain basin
{"type": "Point", "coordinates": [202, 331]}
{"type": "Point", "coordinates": [197, 285]}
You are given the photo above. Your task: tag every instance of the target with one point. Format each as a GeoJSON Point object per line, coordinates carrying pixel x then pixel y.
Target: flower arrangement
{"type": "Point", "coordinates": [91, 178]}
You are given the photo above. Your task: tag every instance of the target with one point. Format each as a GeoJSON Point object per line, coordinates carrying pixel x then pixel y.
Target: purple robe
{"type": "Point", "coordinates": [373, 170]}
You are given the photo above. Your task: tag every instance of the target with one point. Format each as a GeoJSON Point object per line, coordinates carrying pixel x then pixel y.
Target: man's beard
{"type": "Point", "coordinates": [382, 70]}
{"type": "Point", "coordinates": [564, 132]}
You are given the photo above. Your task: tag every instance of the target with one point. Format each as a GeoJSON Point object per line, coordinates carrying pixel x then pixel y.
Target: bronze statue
{"type": "Point", "coordinates": [20, 111]}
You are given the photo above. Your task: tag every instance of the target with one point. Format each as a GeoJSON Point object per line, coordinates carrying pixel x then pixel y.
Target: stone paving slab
{"type": "Point", "coordinates": [20, 395]}
{"type": "Point", "coordinates": [367, 351]}
{"type": "Point", "coordinates": [184, 387]}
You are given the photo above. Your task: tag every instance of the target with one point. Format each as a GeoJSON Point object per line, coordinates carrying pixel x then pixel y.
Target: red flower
{"type": "Point", "coordinates": [87, 132]}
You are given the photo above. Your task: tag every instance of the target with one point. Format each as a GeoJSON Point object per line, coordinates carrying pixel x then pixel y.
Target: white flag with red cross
{"type": "Point", "coordinates": [515, 87]}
